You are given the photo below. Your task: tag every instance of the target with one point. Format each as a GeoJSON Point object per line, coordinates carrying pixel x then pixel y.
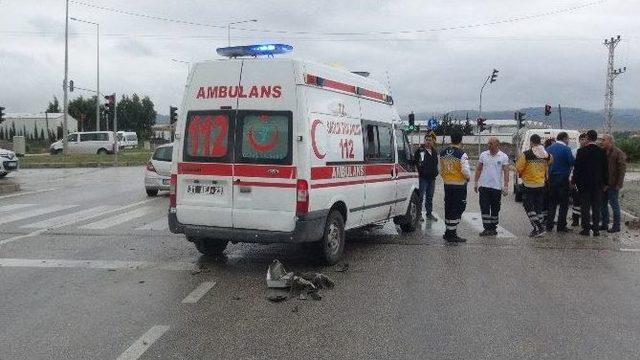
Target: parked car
{"type": "Point", "coordinates": [127, 139]}
{"type": "Point", "coordinates": [90, 142]}
{"type": "Point", "coordinates": [8, 162]}
{"type": "Point", "coordinates": [158, 171]}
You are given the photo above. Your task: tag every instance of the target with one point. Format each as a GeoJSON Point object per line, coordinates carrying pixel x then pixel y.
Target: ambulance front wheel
{"type": "Point", "coordinates": [410, 221]}
{"type": "Point", "coordinates": [210, 247]}
{"type": "Point", "coordinates": [331, 246]}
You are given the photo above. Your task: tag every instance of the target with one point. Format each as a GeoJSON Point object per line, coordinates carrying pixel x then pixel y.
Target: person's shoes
{"type": "Point", "coordinates": [596, 232]}
{"type": "Point", "coordinates": [575, 223]}
{"type": "Point", "coordinates": [549, 228]}
{"type": "Point", "coordinates": [541, 233]}
{"type": "Point", "coordinates": [585, 232]}
{"type": "Point", "coordinates": [486, 232]}
{"type": "Point", "coordinates": [564, 230]}
{"type": "Point", "coordinates": [421, 219]}
{"type": "Point", "coordinates": [533, 233]}
{"type": "Point", "coordinates": [430, 217]}
{"type": "Point", "coordinates": [457, 239]}
{"type": "Point", "coordinates": [494, 232]}
{"type": "Point", "coordinates": [604, 227]}
{"type": "Point", "coordinates": [613, 230]}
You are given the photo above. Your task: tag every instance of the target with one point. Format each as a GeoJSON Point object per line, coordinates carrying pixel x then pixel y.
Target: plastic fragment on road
{"type": "Point", "coordinates": [301, 285]}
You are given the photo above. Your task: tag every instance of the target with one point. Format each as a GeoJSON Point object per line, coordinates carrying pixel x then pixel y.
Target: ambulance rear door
{"type": "Point", "coordinates": [264, 191]}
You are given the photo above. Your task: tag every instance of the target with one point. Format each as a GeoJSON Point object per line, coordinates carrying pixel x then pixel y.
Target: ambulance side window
{"type": "Point", "coordinates": [405, 156]}
{"type": "Point", "coordinates": [378, 143]}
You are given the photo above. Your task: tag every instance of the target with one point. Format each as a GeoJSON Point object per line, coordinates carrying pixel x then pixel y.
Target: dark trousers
{"type": "Point", "coordinates": [590, 209]}
{"type": "Point", "coordinates": [426, 188]}
{"type": "Point", "coordinates": [559, 191]}
{"type": "Point", "coordinates": [490, 207]}
{"type": "Point", "coordinates": [575, 205]}
{"type": "Point", "coordinates": [611, 198]}
{"type": "Point", "coordinates": [533, 201]}
{"type": "Point", "coordinates": [455, 202]}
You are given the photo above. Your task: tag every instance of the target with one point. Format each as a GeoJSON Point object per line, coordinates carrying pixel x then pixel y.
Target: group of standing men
{"type": "Point", "coordinates": [549, 175]}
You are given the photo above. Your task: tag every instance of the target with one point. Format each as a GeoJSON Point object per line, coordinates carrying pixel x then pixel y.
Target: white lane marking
{"type": "Point", "coordinates": [199, 292]}
{"type": "Point", "coordinates": [475, 220]}
{"type": "Point", "coordinates": [25, 193]}
{"type": "Point", "coordinates": [160, 224]}
{"type": "Point", "coordinates": [75, 217]}
{"type": "Point", "coordinates": [628, 214]}
{"type": "Point", "coordinates": [118, 219]}
{"type": "Point", "coordinates": [33, 213]}
{"type": "Point", "coordinates": [434, 227]}
{"type": "Point", "coordinates": [38, 232]}
{"type": "Point", "coordinates": [143, 343]}
{"type": "Point", "coordinates": [95, 264]}
{"type": "Point", "coordinates": [630, 250]}
{"type": "Point", "coordinates": [14, 207]}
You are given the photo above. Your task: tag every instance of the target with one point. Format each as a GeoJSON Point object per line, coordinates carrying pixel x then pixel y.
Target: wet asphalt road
{"type": "Point", "coordinates": [89, 271]}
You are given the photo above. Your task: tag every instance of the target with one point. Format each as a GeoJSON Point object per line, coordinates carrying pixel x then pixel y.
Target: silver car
{"type": "Point", "coordinates": [8, 162]}
{"type": "Point", "coordinates": [158, 171]}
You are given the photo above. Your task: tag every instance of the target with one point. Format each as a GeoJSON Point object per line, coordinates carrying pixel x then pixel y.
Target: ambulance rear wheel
{"type": "Point", "coordinates": [210, 247]}
{"type": "Point", "coordinates": [331, 246]}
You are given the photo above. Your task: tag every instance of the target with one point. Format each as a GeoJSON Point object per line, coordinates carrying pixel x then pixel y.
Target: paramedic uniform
{"type": "Point", "coordinates": [455, 172]}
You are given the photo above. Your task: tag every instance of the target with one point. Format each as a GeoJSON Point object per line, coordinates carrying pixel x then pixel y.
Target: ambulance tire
{"type": "Point", "coordinates": [331, 246]}
{"type": "Point", "coordinates": [411, 220]}
{"type": "Point", "coordinates": [210, 247]}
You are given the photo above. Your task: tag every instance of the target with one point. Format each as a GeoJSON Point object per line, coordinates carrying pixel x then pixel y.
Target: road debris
{"type": "Point", "coordinates": [301, 285]}
{"type": "Point", "coordinates": [342, 268]}
{"type": "Point", "coordinates": [633, 224]}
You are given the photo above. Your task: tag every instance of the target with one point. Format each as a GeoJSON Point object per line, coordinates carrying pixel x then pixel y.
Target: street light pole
{"type": "Point", "coordinates": [480, 113]}
{"type": "Point", "coordinates": [233, 23]}
{"type": "Point", "coordinates": [65, 100]}
{"type": "Point", "coordinates": [97, 69]}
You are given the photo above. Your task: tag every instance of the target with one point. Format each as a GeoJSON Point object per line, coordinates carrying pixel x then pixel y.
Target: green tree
{"type": "Point", "coordinates": [35, 131]}
{"type": "Point", "coordinates": [85, 108]}
{"type": "Point", "coordinates": [136, 114]}
{"type": "Point", "coordinates": [42, 138]}
{"type": "Point", "coordinates": [54, 107]}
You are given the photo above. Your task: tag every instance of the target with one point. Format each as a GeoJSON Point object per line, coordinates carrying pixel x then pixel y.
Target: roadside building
{"type": "Point", "coordinates": [34, 126]}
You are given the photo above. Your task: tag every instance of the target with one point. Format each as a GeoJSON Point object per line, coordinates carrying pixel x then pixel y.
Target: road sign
{"type": "Point", "coordinates": [433, 123]}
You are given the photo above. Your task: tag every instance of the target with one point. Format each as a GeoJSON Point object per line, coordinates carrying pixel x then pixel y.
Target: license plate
{"type": "Point", "coordinates": [11, 165]}
{"type": "Point", "coordinates": [205, 189]}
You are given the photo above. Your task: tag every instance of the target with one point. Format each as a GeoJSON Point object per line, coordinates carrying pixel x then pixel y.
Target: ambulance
{"type": "Point", "coordinates": [278, 150]}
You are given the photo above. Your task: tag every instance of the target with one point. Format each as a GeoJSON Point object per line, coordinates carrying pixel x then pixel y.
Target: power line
{"type": "Point", "coordinates": [401, 32]}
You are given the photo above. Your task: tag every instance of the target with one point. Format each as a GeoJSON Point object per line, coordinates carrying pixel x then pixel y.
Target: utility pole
{"type": "Point", "coordinates": [490, 79]}
{"type": "Point", "coordinates": [97, 69]}
{"type": "Point", "coordinates": [560, 115]}
{"type": "Point", "coordinates": [65, 99]}
{"type": "Point", "coordinates": [612, 73]}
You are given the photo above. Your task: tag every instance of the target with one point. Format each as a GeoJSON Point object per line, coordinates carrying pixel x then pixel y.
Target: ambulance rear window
{"type": "Point", "coordinates": [266, 137]}
{"type": "Point", "coordinates": [207, 137]}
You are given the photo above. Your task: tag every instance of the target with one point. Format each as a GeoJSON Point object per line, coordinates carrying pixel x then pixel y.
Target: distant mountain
{"type": "Point", "coordinates": [573, 118]}
{"type": "Point", "coordinates": [162, 119]}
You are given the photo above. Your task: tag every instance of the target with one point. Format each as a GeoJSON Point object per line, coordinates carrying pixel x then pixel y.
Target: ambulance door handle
{"type": "Point", "coordinates": [237, 181]}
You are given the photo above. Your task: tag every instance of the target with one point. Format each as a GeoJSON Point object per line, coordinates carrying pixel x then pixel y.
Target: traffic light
{"type": "Point", "coordinates": [1, 114]}
{"type": "Point", "coordinates": [481, 123]}
{"type": "Point", "coordinates": [547, 110]}
{"type": "Point", "coordinates": [494, 76]}
{"type": "Point", "coordinates": [111, 100]}
{"type": "Point", "coordinates": [173, 114]}
{"type": "Point", "coordinates": [71, 85]}
{"type": "Point", "coordinates": [412, 122]}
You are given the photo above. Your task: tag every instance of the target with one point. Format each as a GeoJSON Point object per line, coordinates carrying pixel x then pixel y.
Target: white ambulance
{"type": "Point", "coordinates": [280, 150]}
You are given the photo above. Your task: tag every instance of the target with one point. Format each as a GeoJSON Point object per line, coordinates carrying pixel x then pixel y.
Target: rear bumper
{"type": "Point", "coordinates": [309, 228]}
{"type": "Point", "coordinates": [153, 181]}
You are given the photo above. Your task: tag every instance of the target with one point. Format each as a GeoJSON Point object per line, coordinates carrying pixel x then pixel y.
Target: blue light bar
{"type": "Point", "coordinates": [254, 50]}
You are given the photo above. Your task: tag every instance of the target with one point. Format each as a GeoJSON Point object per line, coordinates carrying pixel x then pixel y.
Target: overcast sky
{"type": "Point", "coordinates": [556, 58]}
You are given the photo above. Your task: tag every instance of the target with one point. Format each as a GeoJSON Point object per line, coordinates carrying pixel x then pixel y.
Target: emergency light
{"type": "Point", "coordinates": [254, 50]}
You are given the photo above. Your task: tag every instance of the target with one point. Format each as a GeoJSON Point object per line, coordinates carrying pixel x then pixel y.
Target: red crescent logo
{"type": "Point", "coordinates": [273, 142]}
{"type": "Point", "coordinates": [314, 145]}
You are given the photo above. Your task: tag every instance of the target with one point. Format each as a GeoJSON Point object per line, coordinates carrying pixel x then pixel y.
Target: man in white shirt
{"type": "Point", "coordinates": [491, 181]}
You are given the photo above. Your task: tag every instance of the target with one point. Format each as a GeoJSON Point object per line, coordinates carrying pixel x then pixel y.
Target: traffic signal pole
{"type": "Point", "coordinates": [480, 112]}
{"type": "Point", "coordinates": [65, 100]}
{"type": "Point", "coordinates": [115, 129]}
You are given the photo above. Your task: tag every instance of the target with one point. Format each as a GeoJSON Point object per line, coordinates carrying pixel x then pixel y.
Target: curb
{"type": "Point", "coordinates": [9, 188]}
{"type": "Point", "coordinates": [80, 165]}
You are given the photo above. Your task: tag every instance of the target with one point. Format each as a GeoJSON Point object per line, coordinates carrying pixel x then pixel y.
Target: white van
{"type": "Point", "coordinates": [89, 142]}
{"type": "Point", "coordinates": [127, 139]}
{"type": "Point", "coordinates": [521, 139]}
{"type": "Point", "coordinates": [280, 150]}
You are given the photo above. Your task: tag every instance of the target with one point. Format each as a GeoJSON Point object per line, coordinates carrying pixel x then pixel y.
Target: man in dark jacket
{"type": "Point", "coordinates": [617, 167]}
{"type": "Point", "coordinates": [591, 174]}
{"type": "Point", "coordinates": [559, 188]}
{"type": "Point", "coordinates": [426, 159]}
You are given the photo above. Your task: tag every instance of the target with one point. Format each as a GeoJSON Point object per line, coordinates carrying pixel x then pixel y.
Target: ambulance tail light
{"type": "Point", "coordinates": [302, 197]}
{"type": "Point", "coordinates": [172, 191]}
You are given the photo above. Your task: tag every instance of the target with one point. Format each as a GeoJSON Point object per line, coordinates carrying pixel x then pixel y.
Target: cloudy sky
{"type": "Point", "coordinates": [431, 53]}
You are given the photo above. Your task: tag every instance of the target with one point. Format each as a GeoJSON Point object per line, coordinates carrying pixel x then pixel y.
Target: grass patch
{"type": "Point", "coordinates": [125, 158]}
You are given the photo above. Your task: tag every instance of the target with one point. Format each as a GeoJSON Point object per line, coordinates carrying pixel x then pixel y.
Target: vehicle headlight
{"type": "Point", "coordinates": [7, 155]}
